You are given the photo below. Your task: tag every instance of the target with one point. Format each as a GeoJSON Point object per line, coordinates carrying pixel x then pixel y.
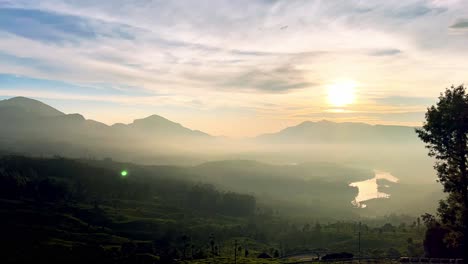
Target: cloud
{"type": "Point", "coordinates": [45, 26]}
{"type": "Point", "coordinates": [8, 82]}
{"type": "Point", "coordinates": [280, 80]}
{"type": "Point", "coordinates": [385, 52]}
{"type": "Point", "coordinates": [460, 24]}
{"type": "Point", "coordinates": [406, 101]}
{"type": "Point", "coordinates": [265, 80]}
{"type": "Point", "coordinates": [414, 11]}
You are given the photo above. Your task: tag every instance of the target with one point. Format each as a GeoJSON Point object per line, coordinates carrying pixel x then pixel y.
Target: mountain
{"type": "Point", "coordinates": [331, 132]}
{"type": "Point", "coordinates": [35, 127]}
{"type": "Point", "coordinates": [162, 126]}
{"type": "Point", "coordinates": [30, 119]}
{"type": "Point", "coordinates": [22, 106]}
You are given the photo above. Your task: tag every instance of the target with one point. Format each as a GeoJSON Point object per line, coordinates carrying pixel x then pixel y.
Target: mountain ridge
{"type": "Point", "coordinates": [327, 131]}
{"type": "Point", "coordinates": [30, 105]}
{"type": "Point", "coordinates": [35, 126]}
{"type": "Point", "coordinates": [27, 105]}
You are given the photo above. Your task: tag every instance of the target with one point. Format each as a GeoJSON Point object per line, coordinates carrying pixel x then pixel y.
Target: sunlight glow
{"type": "Point", "coordinates": [341, 93]}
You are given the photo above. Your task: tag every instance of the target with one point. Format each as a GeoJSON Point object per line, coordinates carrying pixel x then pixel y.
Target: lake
{"type": "Point", "coordinates": [369, 189]}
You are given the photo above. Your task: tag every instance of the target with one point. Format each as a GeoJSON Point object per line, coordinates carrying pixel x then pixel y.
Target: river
{"type": "Point", "coordinates": [369, 189]}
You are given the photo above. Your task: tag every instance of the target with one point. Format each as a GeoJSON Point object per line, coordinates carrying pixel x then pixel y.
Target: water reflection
{"type": "Point", "coordinates": [369, 189]}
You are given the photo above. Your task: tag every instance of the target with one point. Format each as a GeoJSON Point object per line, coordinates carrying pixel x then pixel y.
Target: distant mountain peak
{"type": "Point", "coordinates": [30, 106]}
{"type": "Point", "coordinates": [154, 121]}
{"type": "Point", "coordinates": [154, 118]}
{"type": "Point", "coordinates": [159, 124]}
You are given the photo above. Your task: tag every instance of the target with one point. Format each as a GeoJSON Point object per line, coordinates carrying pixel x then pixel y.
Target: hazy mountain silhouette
{"type": "Point", "coordinates": [38, 111]}
{"type": "Point", "coordinates": [30, 124]}
{"type": "Point", "coordinates": [162, 126]}
{"type": "Point", "coordinates": [38, 120]}
{"type": "Point", "coordinates": [35, 128]}
{"type": "Point", "coordinates": [26, 107]}
{"type": "Point", "coordinates": [331, 132]}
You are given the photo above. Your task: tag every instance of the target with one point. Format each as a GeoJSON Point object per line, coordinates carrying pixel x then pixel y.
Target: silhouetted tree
{"type": "Point", "coordinates": [411, 248]}
{"type": "Point", "coordinates": [434, 245]}
{"type": "Point", "coordinates": [212, 244]}
{"type": "Point", "coordinates": [276, 254]}
{"type": "Point", "coordinates": [393, 253]}
{"type": "Point", "coordinates": [318, 227]}
{"type": "Point", "coordinates": [185, 245]}
{"type": "Point", "coordinates": [445, 133]}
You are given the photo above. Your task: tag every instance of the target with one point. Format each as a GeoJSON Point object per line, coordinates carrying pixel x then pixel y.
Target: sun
{"type": "Point", "coordinates": [341, 93]}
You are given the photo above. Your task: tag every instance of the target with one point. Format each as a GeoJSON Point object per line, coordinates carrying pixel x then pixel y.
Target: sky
{"type": "Point", "coordinates": [235, 68]}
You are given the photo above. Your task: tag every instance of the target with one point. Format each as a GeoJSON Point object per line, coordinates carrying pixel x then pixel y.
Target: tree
{"type": "Point", "coordinates": [212, 244]}
{"type": "Point", "coordinates": [185, 245]}
{"type": "Point", "coordinates": [434, 245]}
{"type": "Point", "coordinates": [393, 253]}
{"type": "Point", "coordinates": [318, 227]}
{"type": "Point", "coordinates": [445, 133]}
{"type": "Point", "coordinates": [276, 254]}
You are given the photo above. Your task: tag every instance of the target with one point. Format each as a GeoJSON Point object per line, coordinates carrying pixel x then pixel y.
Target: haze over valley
{"type": "Point", "coordinates": [317, 160]}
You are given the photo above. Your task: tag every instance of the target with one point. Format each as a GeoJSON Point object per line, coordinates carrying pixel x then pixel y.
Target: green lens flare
{"type": "Point", "coordinates": [124, 173]}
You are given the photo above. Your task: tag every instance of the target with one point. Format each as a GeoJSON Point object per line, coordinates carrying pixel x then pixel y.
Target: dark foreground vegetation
{"type": "Point", "coordinates": [59, 210]}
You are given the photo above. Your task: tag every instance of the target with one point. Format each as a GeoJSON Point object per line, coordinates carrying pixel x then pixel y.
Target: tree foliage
{"type": "Point", "coordinates": [445, 133]}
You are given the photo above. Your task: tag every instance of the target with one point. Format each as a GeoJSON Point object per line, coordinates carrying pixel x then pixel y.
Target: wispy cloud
{"type": "Point", "coordinates": [460, 24]}
{"type": "Point", "coordinates": [385, 52]}
{"type": "Point", "coordinates": [406, 101]}
{"type": "Point", "coordinates": [267, 80]}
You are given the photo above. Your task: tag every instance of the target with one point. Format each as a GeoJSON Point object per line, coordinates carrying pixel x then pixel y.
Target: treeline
{"type": "Point", "coordinates": [72, 181]}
